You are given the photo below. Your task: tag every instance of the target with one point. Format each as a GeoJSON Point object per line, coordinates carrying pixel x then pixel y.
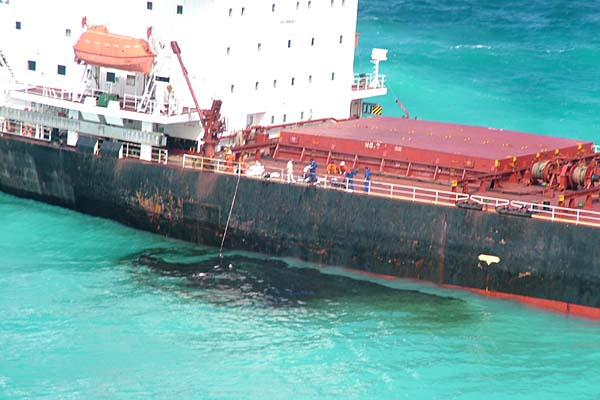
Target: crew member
{"type": "Point", "coordinates": [312, 176]}
{"type": "Point", "coordinates": [332, 169]}
{"type": "Point", "coordinates": [350, 179]}
{"type": "Point", "coordinates": [290, 171]}
{"type": "Point", "coordinates": [229, 161]}
{"type": "Point", "coordinates": [367, 179]}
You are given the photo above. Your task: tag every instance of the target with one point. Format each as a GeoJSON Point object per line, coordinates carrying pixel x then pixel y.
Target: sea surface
{"type": "Point", "coordinates": [90, 309]}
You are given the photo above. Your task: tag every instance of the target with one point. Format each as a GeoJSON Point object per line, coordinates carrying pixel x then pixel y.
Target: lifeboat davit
{"type": "Point", "coordinates": [97, 46]}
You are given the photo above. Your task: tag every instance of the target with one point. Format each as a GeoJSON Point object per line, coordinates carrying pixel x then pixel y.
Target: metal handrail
{"type": "Point", "coordinates": [489, 201]}
{"type": "Point", "coordinates": [556, 213]}
{"type": "Point", "coordinates": [405, 192]}
{"type": "Point", "coordinates": [134, 150]}
{"type": "Point", "coordinates": [368, 81]}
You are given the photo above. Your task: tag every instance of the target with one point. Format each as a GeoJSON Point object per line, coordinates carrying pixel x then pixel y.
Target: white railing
{"type": "Point", "coordinates": [31, 131]}
{"type": "Point", "coordinates": [132, 102]}
{"type": "Point", "coordinates": [47, 91]}
{"type": "Point", "coordinates": [555, 213]}
{"type": "Point", "coordinates": [489, 201]}
{"type": "Point", "coordinates": [131, 150]}
{"type": "Point", "coordinates": [160, 155]}
{"type": "Point", "coordinates": [134, 150]}
{"type": "Point", "coordinates": [368, 81]}
{"type": "Point", "coordinates": [400, 192]}
{"type": "Point", "coordinates": [129, 101]}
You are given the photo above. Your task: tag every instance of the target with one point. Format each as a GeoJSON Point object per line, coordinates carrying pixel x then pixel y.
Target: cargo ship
{"type": "Point", "coordinates": [264, 142]}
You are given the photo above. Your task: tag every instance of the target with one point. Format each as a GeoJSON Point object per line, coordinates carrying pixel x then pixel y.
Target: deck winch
{"type": "Point", "coordinates": [543, 171]}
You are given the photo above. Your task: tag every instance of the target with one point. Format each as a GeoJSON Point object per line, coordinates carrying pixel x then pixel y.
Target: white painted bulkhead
{"type": "Point", "coordinates": [270, 61]}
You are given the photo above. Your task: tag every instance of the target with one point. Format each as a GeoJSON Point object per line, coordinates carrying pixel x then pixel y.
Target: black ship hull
{"type": "Point", "coordinates": [552, 264]}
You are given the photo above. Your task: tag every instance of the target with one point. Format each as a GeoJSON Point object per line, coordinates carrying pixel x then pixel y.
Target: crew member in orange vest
{"type": "Point", "coordinates": [229, 161]}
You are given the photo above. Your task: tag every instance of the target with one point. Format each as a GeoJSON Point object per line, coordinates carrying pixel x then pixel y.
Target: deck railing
{"type": "Point", "coordinates": [134, 150]}
{"type": "Point", "coordinates": [368, 81]}
{"type": "Point", "coordinates": [30, 131]}
{"type": "Point", "coordinates": [402, 192]}
{"type": "Point", "coordinates": [128, 102]}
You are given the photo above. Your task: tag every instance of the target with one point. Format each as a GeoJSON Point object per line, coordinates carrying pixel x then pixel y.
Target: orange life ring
{"type": "Point", "coordinates": [27, 130]}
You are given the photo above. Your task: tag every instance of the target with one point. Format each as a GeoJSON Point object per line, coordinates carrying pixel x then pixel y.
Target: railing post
{"type": "Point", "coordinates": [183, 163]}
{"type": "Point", "coordinates": [392, 190]}
{"type": "Point", "coordinates": [414, 193]}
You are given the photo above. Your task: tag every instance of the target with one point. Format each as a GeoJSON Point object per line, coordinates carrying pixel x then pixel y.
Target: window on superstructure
{"type": "Point", "coordinates": [31, 65]}
{"type": "Point", "coordinates": [272, 119]}
{"type": "Point", "coordinates": [18, 25]}
{"type": "Point", "coordinates": [256, 86]}
{"type": "Point", "coordinates": [284, 117]}
{"type": "Point", "coordinates": [332, 2]}
{"type": "Point", "coordinates": [302, 115]}
{"type": "Point", "coordinates": [243, 10]}
{"type": "Point", "coordinates": [333, 76]}
{"type": "Point", "coordinates": [289, 43]}
{"type": "Point", "coordinates": [312, 41]}
{"type": "Point", "coordinates": [273, 7]}
{"type": "Point", "coordinates": [228, 50]}
{"type": "Point", "coordinates": [148, 5]}
{"type": "Point", "coordinates": [230, 11]}
{"type": "Point", "coordinates": [341, 38]}
{"type": "Point", "coordinates": [310, 79]}
{"type": "Point", "coordinates": [61, 70]}
{"type": "Point", "coordinates": [259, 46]}
{"type": "Point", "coordinates": [297, 5]}
{"type": "Point", "coordinates": [110, 77]}
{"type": "Point", "coordinates": [67, 32]}
{"type": "Point", "coordinates": [293, 81]}
{"type": "Point", "coordinates": [179, 9]}
{"type": "Point", "coordinates": [274, 83]}
{"type": "Point", "coordinates": [130, 80]}
{"type": "Point", "coordinates": [343, 3]}
{"type": "Point", "coordinates": [309, 4]}
{"type": "Point", "coordinates": [232, 88]}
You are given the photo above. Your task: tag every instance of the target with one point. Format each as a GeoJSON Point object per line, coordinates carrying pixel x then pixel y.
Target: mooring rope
{"type": "Point", "coordinates": [229, 216]}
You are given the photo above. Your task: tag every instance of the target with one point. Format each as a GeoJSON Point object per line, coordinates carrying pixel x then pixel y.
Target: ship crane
{"type": "Point", "coordinates": [211, 122]}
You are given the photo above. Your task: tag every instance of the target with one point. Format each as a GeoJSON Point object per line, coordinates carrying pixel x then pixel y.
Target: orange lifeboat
{"type": "Point", "coordinates": [97, 46]}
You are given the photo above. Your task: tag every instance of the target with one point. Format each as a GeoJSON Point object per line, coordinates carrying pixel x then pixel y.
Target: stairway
{"type": "Point", "coordinates": [148, 95]}
{"type": "Point", "coordinates": [4, 64]}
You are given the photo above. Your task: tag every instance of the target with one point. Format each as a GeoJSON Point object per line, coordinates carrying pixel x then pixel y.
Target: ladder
{"type": "Point", "coordinates": [4, 63]}
{"type": "Point", "coordinates": [148, 95]}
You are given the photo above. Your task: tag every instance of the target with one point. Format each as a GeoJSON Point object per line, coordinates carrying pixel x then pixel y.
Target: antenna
{"type": "Point", "coordinates": [377, 55]}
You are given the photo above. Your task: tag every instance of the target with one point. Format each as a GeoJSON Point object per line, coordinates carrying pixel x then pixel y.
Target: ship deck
{"type": "Point", "coordinates": [443, 144]}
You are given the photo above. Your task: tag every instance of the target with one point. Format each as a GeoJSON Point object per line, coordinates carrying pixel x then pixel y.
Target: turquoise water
{"type": "Point", "coordinates": [523, 65]}
{"type": "Point", "coordinates": [91, 309]}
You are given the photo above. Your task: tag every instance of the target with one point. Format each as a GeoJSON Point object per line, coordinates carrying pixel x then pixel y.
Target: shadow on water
{"type": "Point", "coordinates": [242, 280]}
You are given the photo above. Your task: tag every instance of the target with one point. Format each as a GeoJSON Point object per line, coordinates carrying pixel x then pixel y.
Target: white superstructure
{"type": "Point", "coordinates": [271, 62]}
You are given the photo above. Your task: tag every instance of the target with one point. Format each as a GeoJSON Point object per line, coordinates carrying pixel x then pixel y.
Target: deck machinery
{"type": "Point", "coordinates": [466, 158]}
